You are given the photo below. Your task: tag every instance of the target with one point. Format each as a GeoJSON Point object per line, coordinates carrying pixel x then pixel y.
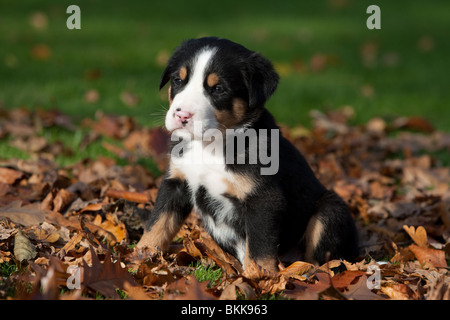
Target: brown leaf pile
{"type": "Point", "coordinates": [70, 231]}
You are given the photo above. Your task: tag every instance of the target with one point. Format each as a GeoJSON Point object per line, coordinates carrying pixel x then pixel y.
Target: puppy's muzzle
{"type": "Point", "coordinates": [182, 117]}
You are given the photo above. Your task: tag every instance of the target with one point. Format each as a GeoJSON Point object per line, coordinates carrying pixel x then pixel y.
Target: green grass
{"type": "Point", "coordinates": [6, 269]}
{"type": "Point", "coordinates": [120, 46]}
{"type": "Point", "coordinates": [122, 42]}
{"type": "Point", "coordinates": [210, 273]}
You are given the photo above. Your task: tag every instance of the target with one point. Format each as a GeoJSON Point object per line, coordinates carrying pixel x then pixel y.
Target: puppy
{"type": "Point", "coordinates": [256, 194]}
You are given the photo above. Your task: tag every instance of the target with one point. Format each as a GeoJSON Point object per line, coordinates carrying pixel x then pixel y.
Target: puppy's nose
{"type": "Point", "coordinates": [183, 116]}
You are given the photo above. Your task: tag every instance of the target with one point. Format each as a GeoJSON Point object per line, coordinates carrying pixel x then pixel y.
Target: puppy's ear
{"type": "Point", "coordinates": [174, 61]}
{"type": "Point", "coordinates": [165, 76]}
{"type": "Point", "coordinates": [262, 80]}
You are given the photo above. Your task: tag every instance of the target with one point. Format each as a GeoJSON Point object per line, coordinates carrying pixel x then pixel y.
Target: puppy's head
{"type": "Point", "coordinates": [217, 83]}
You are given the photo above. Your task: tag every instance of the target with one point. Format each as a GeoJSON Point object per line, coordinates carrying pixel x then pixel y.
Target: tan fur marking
{"type": "Point", "coordinates": [169, 94]}
{"type": "Point", "coordinates": [229, 119]}
{"type": "Point", "coordinates": [313, 235]}
{"type": "Point", "coordinates": [247, 259]}
{"type": "Point", "coordinates": [239, 186]}
{"type": "Point", "coordinates": [212, 79]}
{"type": "Point", "coordinates": [175, 173]}
{"type": "Point", "coordinates": [161, 233]}
{"type": "Point", "coordinates": [268, 263]}
{"type": "Point", "coordinates": [183, 73]}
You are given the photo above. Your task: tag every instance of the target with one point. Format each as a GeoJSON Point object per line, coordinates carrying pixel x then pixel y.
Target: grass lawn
{"type": "Point", "coordinates": [326, 56]}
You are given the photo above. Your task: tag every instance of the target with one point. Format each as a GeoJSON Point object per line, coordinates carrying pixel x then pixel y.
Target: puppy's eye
{"type": "Point", "coordinates": [177, 81]}
{"type": "Point", "coordinates": [218, 89]}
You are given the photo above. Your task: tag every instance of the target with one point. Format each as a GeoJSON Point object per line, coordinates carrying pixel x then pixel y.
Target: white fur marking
{"type": "Point", "coordinates": [192, 98]}
{"type": "Point", "coordinates": [199, 165]}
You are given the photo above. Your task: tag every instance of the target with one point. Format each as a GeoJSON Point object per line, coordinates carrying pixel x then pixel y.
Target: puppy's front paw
{"type": "Point", "coordinates": [147, 245]}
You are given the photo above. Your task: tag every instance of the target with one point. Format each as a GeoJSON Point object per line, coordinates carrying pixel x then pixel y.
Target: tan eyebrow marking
{"type": "Point", "coordinates": [212, 79]}
{"type": "Point", "coordinates": [183, 73]}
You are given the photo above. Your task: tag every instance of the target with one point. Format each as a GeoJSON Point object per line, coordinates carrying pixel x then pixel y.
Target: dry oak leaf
{"type": "Point", "coordinates": [419, 235]}
{"type": "Point", "coordinates": [106, 277]}
{"type": "Point", "coordinates": [431, 257]}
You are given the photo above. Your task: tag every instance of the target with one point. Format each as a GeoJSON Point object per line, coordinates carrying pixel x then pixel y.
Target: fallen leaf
{"type": "Point", "coordinates": [229, 293]}
{"type": "Point", "coordinates": [39, 20]}
{"type": "Point", "coordinates": [70, 245]}
{"type": "Point", "coordinates": [397, 292]}
{"type": "Point", "coordinates": [9, 176]}
{"type": "Point", "coordinates": [91, 96]}
{"type": "Point", "coordinates": [297, 269]}
{"type": "Point", "coordinates": [135, 292]}
{"type": "Point", "coordinates": [267, 281]}
{"type": "Point", "coordinates": [223, 259]}
{"type": "Point", "coordinates": [432, 257]}
{"type": "Point", "coordinates": [414, 123]}
{"type": "Point", "coordinates": [93, 207]}
{"type": "Point", "coordinates": [360, 291]}
{"type": "Point", "coordinates": [5, 233]}
{"type": "Point", "coordinates": [129, 99]}
{"type": "Point", "coordinates": [41, 52]}
{"type": "Point", "coordinates": [128, 195]}
{"type": "Point", "coordinates": [27, 215]}
{"type": "Point", "coordinates": [113, 226]}
{"type": "Point", "coordinates": [106, 277]}
{"type": "Point", "coordinates": [31, 144]}
{"type": "Point", "coordinates": [62, 199]}
{"type": "Point", "coordinates": [187, 288]}
{"type": "Point", "coordinates": [419, 235]}
{"type": "Point", "coordinates": [23, 248]}
{"type": "Point", "coordinates": [344, 279]}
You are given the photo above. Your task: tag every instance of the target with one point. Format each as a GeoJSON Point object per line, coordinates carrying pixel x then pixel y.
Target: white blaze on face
{"type": "Point", "coordinates": [193, 98]}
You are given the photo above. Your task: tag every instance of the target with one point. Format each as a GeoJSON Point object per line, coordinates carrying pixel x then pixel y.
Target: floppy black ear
{"type": "Point", "coordinates": [173, 61]}
{"type": "Point", "coordinates": [164, 78]}
{"type": "Point", "coordinates": [262, 80]}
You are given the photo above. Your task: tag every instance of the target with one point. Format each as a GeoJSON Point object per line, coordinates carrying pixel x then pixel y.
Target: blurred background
{"type": "Point", "coordinates": [326, 56]}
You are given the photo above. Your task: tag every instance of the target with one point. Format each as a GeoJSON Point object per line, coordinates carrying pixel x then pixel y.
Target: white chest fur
{"type": "Point", "coordinates": [202, 168]}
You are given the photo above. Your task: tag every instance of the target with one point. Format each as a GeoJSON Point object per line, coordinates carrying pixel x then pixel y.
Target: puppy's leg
{"type": "Point", "coordinates": [262, 228]}
{"type": "Point", "coordinates": [172, 206]}
{"type": "Point", "coordinates": [331, 232]}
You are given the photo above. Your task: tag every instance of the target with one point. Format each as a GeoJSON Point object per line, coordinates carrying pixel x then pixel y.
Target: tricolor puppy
{"type": "Point", "coordinates": [255, 192]}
